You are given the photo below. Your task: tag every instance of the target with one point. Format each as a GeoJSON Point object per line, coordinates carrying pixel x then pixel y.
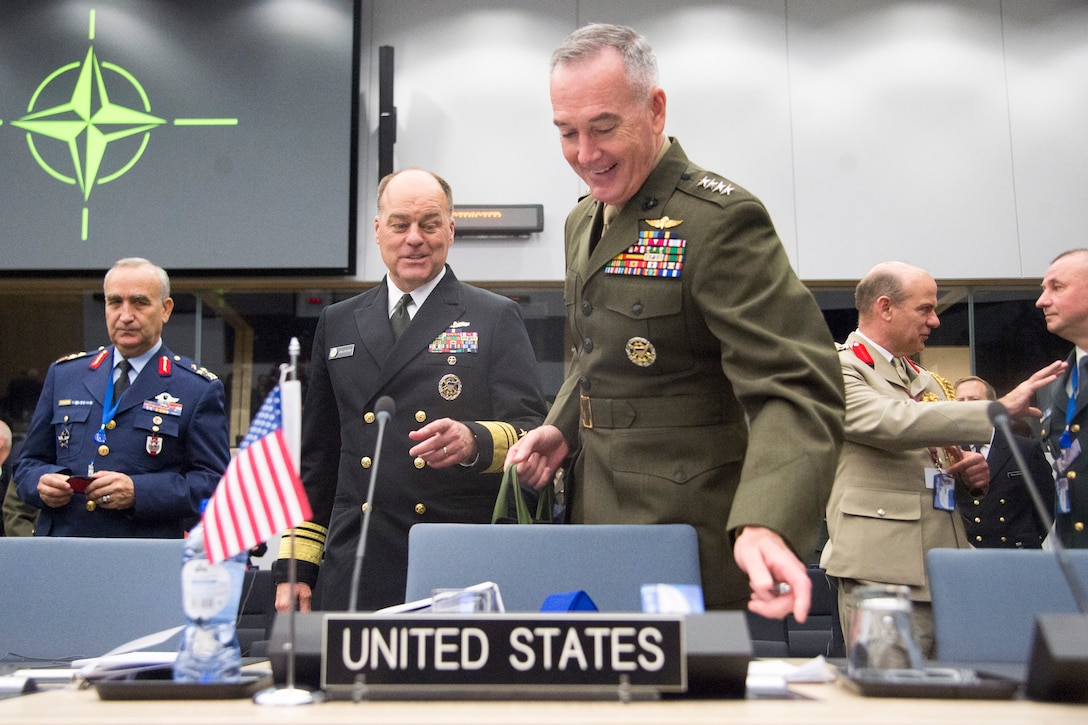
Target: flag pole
{"type": "Point", "coordinates": [290, 694]}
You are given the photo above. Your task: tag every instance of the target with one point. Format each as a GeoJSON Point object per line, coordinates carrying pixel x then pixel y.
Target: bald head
{"type": "Point", "coordinates": [897, 305]}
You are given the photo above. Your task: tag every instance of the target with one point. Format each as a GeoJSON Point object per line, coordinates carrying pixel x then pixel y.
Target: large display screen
{"type": "Point", "coordinates": [210, 136]}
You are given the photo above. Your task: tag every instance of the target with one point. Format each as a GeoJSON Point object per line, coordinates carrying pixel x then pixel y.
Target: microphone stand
{"type": "Point", "coordinates": [289, 694]}
{"type": "Point", "coordinates": [383, 411]}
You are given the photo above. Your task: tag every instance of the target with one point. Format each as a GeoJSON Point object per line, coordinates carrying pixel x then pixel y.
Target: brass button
{"type": "Point", "coordinates": [420, 416]}
{"type": "Point", "coordinates": [1002, 501]}
{"type": "Point", "coordinates": [978, 538]}
{"type": "Point", "coordinates": [1001, 519]}
{"type": "Point", "coordinates": [365, 462]}
{"type": "Point", "coordinates": [1004, 539]}
{"type": "Point", "coordinates": [978, 520]}
{"type": "Point", "coordinates": [65, 419]}
{"type": "Point", "coordinates": [154, 429]}
{"type": "Point", "coordinates": [421, 509]}
{"type": "Point", "coordinates": [881, 512]}
{"type": "Point", "coordinates": [364, 507]}
{"type": "Point", "coordinates": [1075, 428]}
{"type": "Point", "coordinates": [1079, 526]}
{"type": "Point", "coordinates": [976, 502]}
{"type": "Point", "coordinates": [419, 462]}
{"type": "Point", "coordinates": [1071, 475]}
{"type": "Point", "coordinates": [369, 417]}
{"type": "Point", "coordinates": [111, 425]}
{"type": "Point", "coordinates": [451, 360]}
{"type": "Point", "coordinates": [157, 420]}
{"type": "Point", "coordinates": [103, 450]}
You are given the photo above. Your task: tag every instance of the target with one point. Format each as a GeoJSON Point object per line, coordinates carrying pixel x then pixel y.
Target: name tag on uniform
{"type": "Point", "coordinates": [341, 351]}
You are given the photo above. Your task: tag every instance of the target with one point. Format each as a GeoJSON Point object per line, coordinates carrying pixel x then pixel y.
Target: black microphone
{"type": "Point", "coordinates": [1058, 666]}
{"type": "Point", "coordinates": [384, 409]}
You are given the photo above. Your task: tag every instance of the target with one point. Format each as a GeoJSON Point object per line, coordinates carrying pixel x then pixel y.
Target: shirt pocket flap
{"type": "Point", "coordinates": [892, 505]}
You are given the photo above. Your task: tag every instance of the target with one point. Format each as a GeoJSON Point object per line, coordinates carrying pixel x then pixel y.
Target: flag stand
{"type": "Point", "coordinates": [289, 694]}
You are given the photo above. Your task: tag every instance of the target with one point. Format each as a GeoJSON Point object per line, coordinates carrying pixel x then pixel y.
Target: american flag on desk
{"type": "Point", "coordinates": [260, 493]}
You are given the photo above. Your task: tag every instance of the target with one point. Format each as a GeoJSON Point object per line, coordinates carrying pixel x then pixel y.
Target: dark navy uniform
{"type": "Point", "coordinates": [1005, 516]}
{"type": "Point", "coordinates": [1071, 465]}
{"type": "Point", "coordinates": [169, 435]}
{"type": "Point", "coordinates": [465, 356]}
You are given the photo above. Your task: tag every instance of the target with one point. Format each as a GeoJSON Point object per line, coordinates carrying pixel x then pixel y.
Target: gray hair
{"type": "Point", "coordinates": [589, 40]}
{"type": "Point", "coordinates": [164, 278]}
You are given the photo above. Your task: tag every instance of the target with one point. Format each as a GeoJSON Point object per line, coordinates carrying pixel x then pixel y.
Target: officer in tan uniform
{"type": "Point", "coordinates": [703, 387]}
{"type": "Point", "coordinates": [894, 492]}
{"type": "Point", "coordinates": [464, 379]}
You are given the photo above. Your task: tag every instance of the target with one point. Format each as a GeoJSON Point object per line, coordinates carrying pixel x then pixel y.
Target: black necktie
{"type": "Point", "coordinates": [121, 384]}
{"type": "Point", "coordinates": [400, 319]}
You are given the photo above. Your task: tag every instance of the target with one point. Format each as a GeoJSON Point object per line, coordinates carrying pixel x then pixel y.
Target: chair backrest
{"type": "Point", "coordinates": [985, 600]}
{"type": "Point", "coordinates": [529, 562]}
{"type": "Point", "coordinates": [69, 597]}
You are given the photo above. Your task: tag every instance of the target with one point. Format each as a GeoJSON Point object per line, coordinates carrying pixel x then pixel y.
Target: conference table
{"type": "Point", "coordinates": [827, 703]}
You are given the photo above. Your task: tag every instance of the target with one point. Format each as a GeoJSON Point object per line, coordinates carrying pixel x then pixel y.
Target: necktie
{"type": "Point", "coordinates": [400, 319]}
{"type": "Point", "coordinates": [901, 368]}
{"type": "Point", "coordinates": [121, 384]}
{"type": "Point", "coordinates": [597, 228]}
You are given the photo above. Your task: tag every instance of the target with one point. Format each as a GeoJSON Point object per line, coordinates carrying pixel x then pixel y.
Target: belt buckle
{"type": "Point", "coordinates": [586, 408]}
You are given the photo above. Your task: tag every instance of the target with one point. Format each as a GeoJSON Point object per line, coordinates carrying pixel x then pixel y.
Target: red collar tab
{"type": "Point", "coordinates": [99, 358]}
{"type": "Point", "coordinates": [863, 353]}
{"type": "Point", "coordinates": [164, 365]}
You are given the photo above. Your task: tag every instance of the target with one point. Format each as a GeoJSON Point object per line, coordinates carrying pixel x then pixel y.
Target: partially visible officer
{"type": "Point", "coordinates": [459, 366]}
{"type": "Point", "coordinates": [128, 440]}
{"type": "Point", "coordinates": [1002, 514]}
{"type": "Point", "coordinates": [1064, 402]}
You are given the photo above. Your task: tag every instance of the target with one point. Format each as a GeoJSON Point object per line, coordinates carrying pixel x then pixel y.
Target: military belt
{"type": "Point", "coordinates": [664, 412]}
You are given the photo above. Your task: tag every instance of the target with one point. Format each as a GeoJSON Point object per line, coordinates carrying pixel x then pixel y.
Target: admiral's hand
{"type": "Point", "coordinates": [303, 595]}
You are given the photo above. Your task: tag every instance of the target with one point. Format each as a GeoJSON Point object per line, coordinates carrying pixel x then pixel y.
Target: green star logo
{"type": "Point", "coordinates": [85, 126]}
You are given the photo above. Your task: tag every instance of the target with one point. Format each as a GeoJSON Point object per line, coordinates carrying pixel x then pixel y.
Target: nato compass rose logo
{"type": "Point", "coordinates": [102, 128]}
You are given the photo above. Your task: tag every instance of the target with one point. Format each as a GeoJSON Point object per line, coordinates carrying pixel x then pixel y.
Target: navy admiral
{"type": "Point", "coordinates": [1064, 302]}
{"type": "Point", "coordinates": [458, 363]}
{"type": "Point", "coordinates": [125, 441]}
{"type": "Point", "coordinates": [704, 387]}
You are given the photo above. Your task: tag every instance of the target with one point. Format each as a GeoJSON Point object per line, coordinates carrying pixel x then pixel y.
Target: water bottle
{"type": "Point", "coordinates": [210, 595]}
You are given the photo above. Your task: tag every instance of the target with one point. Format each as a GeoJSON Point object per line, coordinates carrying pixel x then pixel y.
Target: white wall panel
{"type": "Point", "coordinates": [1046, 43]}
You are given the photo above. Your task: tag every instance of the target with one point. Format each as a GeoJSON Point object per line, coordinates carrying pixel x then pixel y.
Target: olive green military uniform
{"type": "Point", "coordinates": [704, 386]}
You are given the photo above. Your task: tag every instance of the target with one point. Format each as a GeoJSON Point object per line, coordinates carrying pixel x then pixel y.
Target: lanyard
{"type": "Point", "coordinates": [1066, 439]}
{"type": "Point", "coordinates": [109, 407]}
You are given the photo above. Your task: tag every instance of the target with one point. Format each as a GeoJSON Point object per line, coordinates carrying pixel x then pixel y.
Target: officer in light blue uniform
{"type": "Point", "coordinates": [125, 441]}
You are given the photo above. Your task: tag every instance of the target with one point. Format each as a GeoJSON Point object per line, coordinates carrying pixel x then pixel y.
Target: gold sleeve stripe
{"type": "Point", "coordinates": [503, 437]}
{"type": "Point", "coordinates": [309, 543]}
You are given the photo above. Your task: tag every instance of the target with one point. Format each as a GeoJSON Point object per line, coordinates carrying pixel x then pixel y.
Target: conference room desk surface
{"type": "Point", "coordinates": [826, 703]}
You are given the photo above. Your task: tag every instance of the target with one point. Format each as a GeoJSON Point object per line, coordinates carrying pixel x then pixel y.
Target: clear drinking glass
{"type": "Point", "coordinates": [881, 635]}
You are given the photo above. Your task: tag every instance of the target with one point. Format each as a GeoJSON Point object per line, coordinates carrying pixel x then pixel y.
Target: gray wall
{"type": "Point", "coordinates": [949, 133]}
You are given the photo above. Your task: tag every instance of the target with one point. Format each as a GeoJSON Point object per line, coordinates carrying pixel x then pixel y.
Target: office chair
{"type": "Point", "coordinates": [985, 600]}
{"type": "Point", "coordinates": [529, 562]}
{"type": "Point", "coordinates": [71, 597]}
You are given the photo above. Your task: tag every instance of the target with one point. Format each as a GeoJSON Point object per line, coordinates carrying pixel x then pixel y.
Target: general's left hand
{"type": "Point", "coordinates": [443, 443]}
{"type": "Point", "coordinates": [769, 563]}
{"type": "Point", "coordinates": [112, 490]}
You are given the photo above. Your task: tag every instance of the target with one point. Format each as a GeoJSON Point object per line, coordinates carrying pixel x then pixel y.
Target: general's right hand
{"type": "Point", "coordinates": [54, 489]}
{"type": "Point", "coordinates": [302, 592]}
{"type": "Point", "coordinates": [537, 456]}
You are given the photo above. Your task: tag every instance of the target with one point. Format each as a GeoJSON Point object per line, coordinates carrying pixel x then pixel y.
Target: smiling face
{"type": "Point", "coordinates": [135, 311]}
{"type": "Point", "coordinates": [1064, 300]}
{"type": "Point", "coordinates": [610, 133]}
{"type": "Point", "coordinates": [414, 228]}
